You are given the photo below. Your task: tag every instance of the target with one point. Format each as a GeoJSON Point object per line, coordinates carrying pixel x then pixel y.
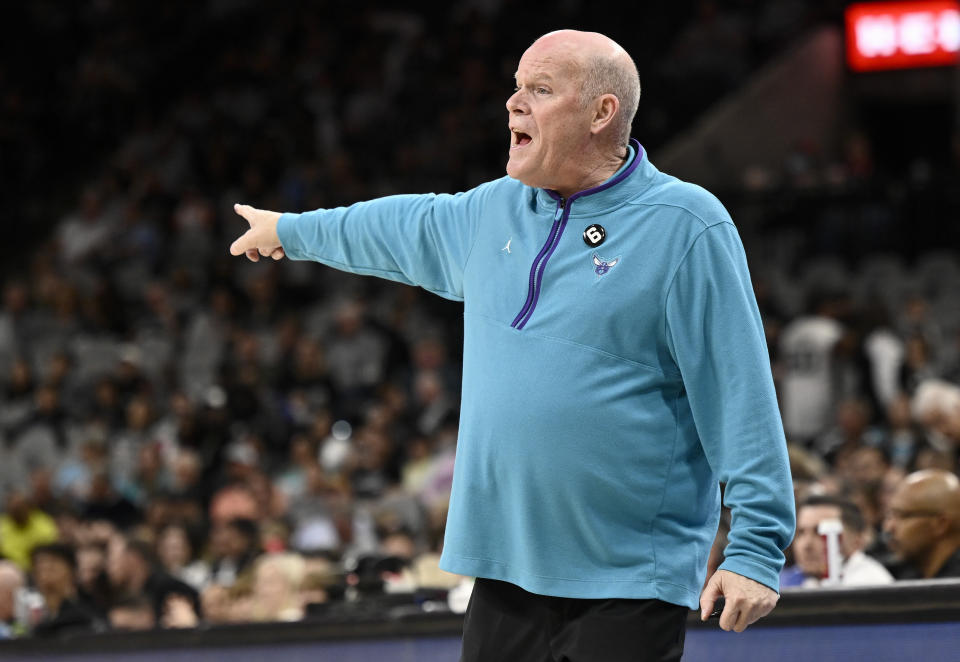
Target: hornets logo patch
{"type": "Point", "coordinates": [601, 266]}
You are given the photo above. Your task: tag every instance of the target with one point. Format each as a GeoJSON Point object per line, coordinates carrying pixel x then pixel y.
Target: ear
{"type": "Point", "coordinates": [942, 526]}
{"type": "Point", "coordinates": [606, 108]}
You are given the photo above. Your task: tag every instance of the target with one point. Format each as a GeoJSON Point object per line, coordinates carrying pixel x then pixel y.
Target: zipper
{"type": "Point", "coordinates": [540, 263]}
{"type": "Point", "coordinates": [559, 223]}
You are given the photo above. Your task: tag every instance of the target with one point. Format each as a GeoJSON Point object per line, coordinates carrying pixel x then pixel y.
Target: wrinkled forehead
{"type": "Point", "coordinates": [557, 61]}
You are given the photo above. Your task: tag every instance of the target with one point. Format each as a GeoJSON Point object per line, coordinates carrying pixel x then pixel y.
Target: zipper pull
{"type": "Point", "coordinates": [560, 206]}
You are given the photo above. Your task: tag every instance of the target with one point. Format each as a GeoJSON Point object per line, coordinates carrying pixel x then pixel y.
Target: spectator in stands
{"type": "Point", "coordinates": [176, 556]}
{"type": "Point", "coordinates": [932, 401]}
{"type": "Point", "coordinates": [106, 408]}
{"type": "Point", "coordinates": [40, 439]}
{"type": "Point", "coordinates": [134, 572]}
{"type": "Point", "coordinates": [75, 474]}
{"type": "Point", "coordinates": [917, 322]}
{"type": "Point", "coordinates": [433, 403]}
{"type": "Point", "coordinates": [125, 447]}
{"type": "Point", "coordinates": [291, 481]}
{"type": "Point", "coordinates": [918, 365]}
{"type": "Point", "coordinates": [356, 353]}
{"type": "Point", "coordinates": [902, 436]}
{"type": "Point", "coordinates": [233, 501]}
{"type": "Point", "coordinates": [367, 464]}
{"type": "Point", "coordinates": [185, 474]}
{"type": "Point", "coordinates": [809, 550]}
{"type": "Point", "coordinates": [923, 525]}
{"type": "Point", "coordinates": [864, 467]}
{"type": "Point", "coordinates": [23, 527]}
{"type": "Point", "coordinates": [55, 577]}
{"type": "Point", "coordinates": [233, 548]}
{"type": "Point", "coordinates": [851, 430]}
{"type": "Point", "coordinates": [936, 407]}
{"type": "Point", "coordinates": [16, 408]}
{"type": "Point", "coordinates": [862, 472]}
{"type": "Point", "coordinates": [82, 234]}
{"type": "Point", "coordinates": [273, 503]}
{"type": "Point", "coordinates": [399, 544]}
{"type": "Point", "coordinates": [16, 302]}
{"type": "Point", "coordinates": [319, 575]}
{"type": "Point", "coordinates": [12, 580]}
{"type": "Point", "coordinates": [277, 579]}
{"type": "Point", "coordinates": [807, 389]}
{"type": "Point", "coordinates": [105, 503]}
{"type": "Point", "coordinates": [319, 517]}
{"type": "Point", "coordinates": [92, 582]}
{"type": "Point", "coordinates": [950, 421]}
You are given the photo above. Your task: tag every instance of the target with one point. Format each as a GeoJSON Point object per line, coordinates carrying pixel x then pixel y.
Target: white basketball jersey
{"type": "Point", "coordinates": [806, 389]}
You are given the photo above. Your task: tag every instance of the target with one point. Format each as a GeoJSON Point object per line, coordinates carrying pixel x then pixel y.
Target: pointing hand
{"type": "Point", "coordinates": [261, 238]}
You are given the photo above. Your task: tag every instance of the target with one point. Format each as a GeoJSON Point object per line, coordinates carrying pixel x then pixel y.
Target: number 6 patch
{"type": "Point", "coordinates": [594, 235]}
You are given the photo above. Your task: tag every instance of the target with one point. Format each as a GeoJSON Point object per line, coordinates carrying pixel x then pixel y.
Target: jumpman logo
{"type": "Point", "coordinates": [507, 247]}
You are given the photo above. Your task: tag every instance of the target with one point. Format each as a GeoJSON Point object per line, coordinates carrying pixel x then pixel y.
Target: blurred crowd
{"type": "Point", "coordinates": [188, 438]}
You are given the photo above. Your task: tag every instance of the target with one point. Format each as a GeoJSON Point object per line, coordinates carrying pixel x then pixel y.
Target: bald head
{"type": "Point", "coordinates": [570, 114]}
{"type": "Point", "coordinates": [934, 490]}
{"type": "Point", "coordinates": [603, 67]}
{"type": "Point", "coordinates": [923, 520]}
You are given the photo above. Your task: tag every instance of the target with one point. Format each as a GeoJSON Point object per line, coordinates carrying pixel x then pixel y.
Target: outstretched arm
{"type": "Point", "coordinates": [421, 240]}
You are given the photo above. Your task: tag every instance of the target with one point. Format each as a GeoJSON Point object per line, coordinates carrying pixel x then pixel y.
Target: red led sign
{"type": "Point", "coordinates": [898, 35]}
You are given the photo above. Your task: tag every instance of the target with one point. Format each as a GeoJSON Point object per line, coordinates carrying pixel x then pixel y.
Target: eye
{"type": "Point", "coordinates": [542, 90]}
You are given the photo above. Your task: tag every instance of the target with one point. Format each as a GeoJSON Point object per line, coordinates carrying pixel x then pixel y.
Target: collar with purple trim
{"type": "Point", "coordinates": [630, 180]}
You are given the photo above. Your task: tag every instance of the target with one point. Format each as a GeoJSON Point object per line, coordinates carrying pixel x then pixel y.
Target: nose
{"type": "Point", "coordinates": [515, 103]}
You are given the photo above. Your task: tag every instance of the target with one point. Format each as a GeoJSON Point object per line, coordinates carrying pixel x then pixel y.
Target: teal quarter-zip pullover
{"type": "Point", "coordinates": [607, 389]}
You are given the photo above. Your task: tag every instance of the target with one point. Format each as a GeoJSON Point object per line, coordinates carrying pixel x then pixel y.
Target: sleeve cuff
{"type": "Point", "coordinates": [750, 569]}
{"type": "Point", "coordinates": [287, 235]}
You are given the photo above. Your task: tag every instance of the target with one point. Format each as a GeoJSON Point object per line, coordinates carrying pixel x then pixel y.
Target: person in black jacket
{"type": "Point", "coordinates": [55, 577]}
{"type": "Point", "coordinates": [133, 572]}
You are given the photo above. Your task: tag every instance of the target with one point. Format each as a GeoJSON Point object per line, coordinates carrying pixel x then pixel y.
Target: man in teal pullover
{"type": "Point", "coordinates": [615, 373]}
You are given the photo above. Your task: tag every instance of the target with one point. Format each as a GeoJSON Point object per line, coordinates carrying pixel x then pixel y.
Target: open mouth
{"type": "Point", "coordinates": [519, 139]}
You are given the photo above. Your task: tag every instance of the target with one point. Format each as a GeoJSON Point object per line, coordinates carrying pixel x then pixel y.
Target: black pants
{"type": "Point", "coordinates": [504, 623]}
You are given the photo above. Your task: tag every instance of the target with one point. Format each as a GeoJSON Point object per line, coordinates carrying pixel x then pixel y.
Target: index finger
{"type": "Point", "coordinates": [246, 211]}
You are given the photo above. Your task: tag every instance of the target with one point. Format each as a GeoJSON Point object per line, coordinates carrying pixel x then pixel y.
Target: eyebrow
{"type": "Point", "coordinates": [540, 76]}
